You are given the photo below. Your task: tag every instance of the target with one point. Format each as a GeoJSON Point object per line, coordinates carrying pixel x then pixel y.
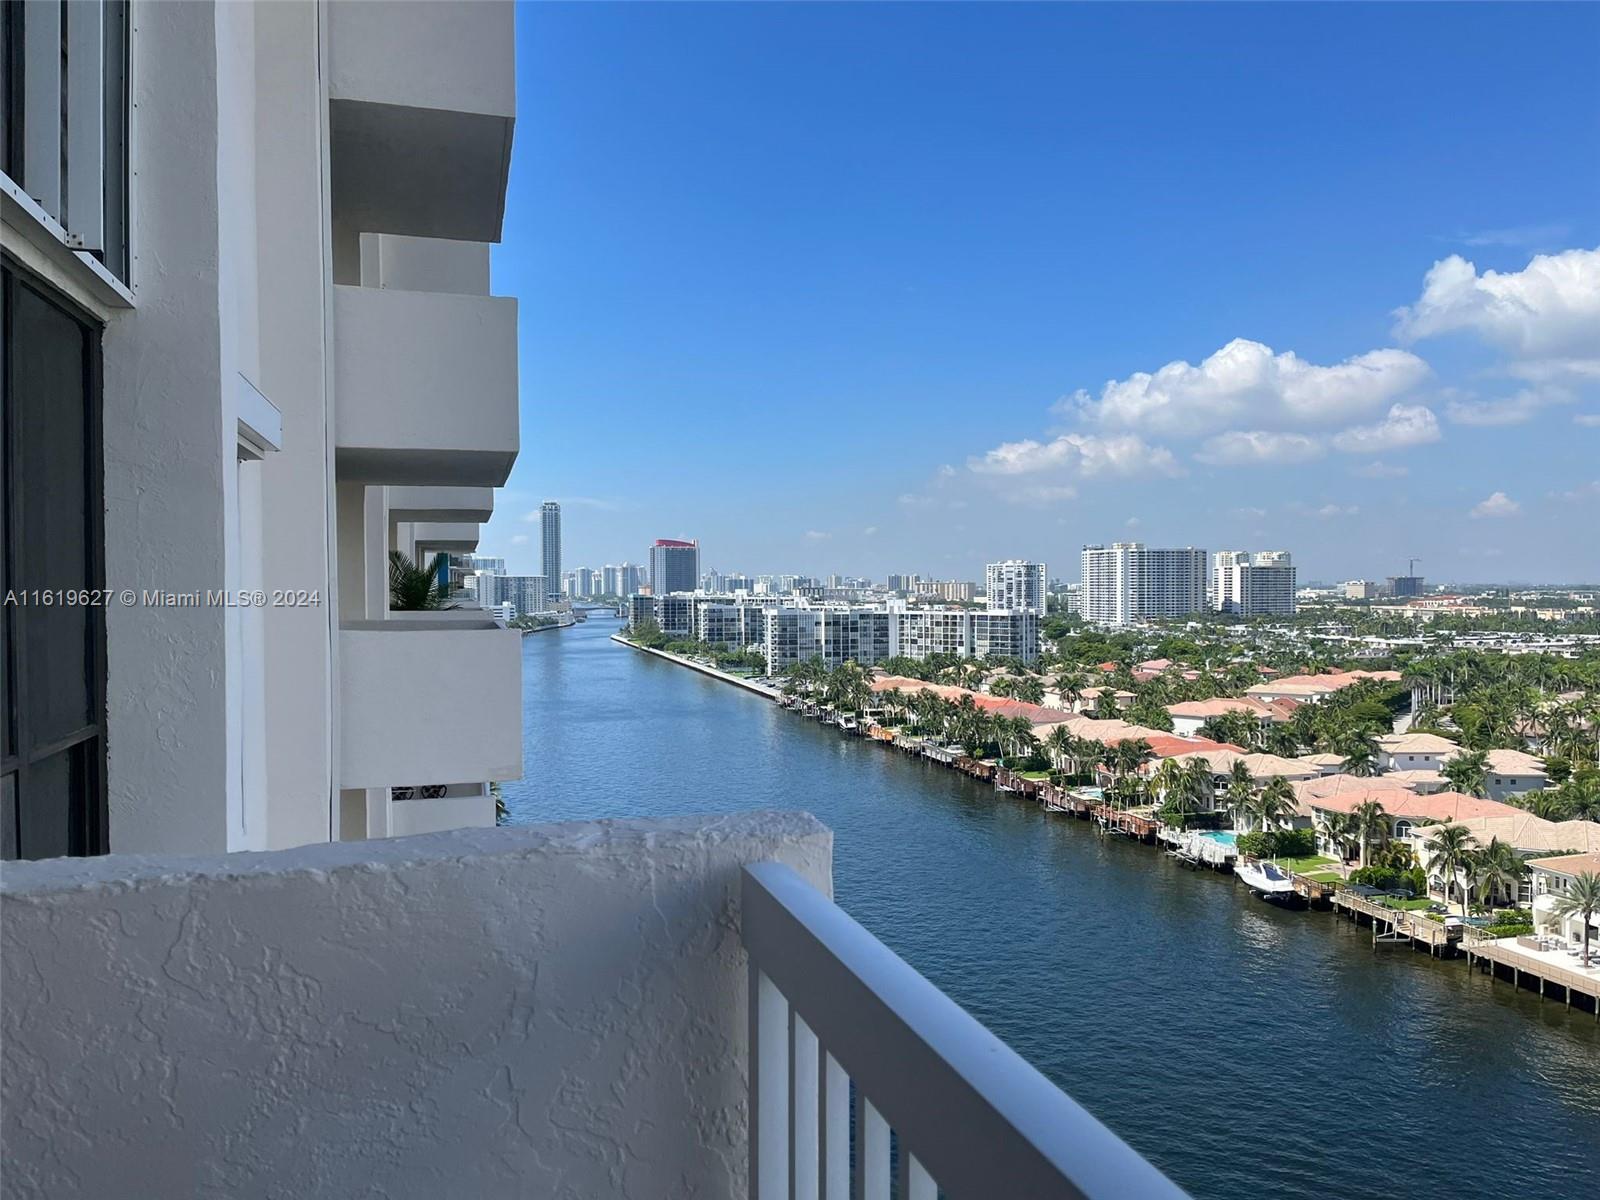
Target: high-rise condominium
{"type": "Point", "coordinates": [1258, 585]}
{"type": "Point", "coordinates": [674, 566]}
{"type": "Point", "coordinates": [1128, 581]}
{"type": "Point", "coordinates": [1016, 584]}
{"type": "Point", "coordinates": [550, 542]}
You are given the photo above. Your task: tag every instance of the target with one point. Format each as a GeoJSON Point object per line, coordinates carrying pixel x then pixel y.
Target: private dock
{"type": "Point", "coordinates": [1395, 925]}
{"type": "Point", "coordinates": [1522, 962]}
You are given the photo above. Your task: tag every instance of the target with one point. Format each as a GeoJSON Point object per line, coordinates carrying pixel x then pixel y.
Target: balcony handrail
{"type": "Point", "coordinates": [974, 1119]}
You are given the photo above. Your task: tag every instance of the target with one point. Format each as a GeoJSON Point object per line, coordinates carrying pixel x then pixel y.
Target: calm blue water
{"type": "Point", "coordinates": [1247, 1049]}
{"type": "Point", "coordinates": [1223, 837]}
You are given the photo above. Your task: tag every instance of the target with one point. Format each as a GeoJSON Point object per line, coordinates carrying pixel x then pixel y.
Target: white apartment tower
{"type": "Point", "coordinates": [1016, 584]}
{"type": "Point", "coordinates": [550, 542]}
{"type": "Point", "coordinates": [1253, 585]}
{"type": "Point", "coordinates": [250, 348]}
{"type": "Point", "coordinates": [1128, 581]}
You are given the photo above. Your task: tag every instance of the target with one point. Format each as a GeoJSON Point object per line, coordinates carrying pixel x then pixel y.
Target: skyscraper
{"type": "Point", "coordinates": [550, 542]}
{"type": "Point", "coordinates": [1253, 586]}
{"type": "Point", "coordinates": [1128, 582]}
{"type": "Point", "coordinates": [1016, 584]}
{"type": "Point", "coordinates": [674, 566]}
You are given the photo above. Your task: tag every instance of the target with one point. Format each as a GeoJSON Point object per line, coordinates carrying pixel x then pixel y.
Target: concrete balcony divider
{"type": "Point", "coordinates": [425, 387]}
{"type": "Point", "coordinates": [544, 1011]}
{"type": "Point", "coordinates": [436, 699]}
{"type": "Point", "coordinates": [422, 102]}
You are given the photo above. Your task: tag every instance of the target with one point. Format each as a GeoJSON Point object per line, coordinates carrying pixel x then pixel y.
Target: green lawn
{"type": "Point", "coordinates": [1325, 877]}
{"type": "Point", "coordinates": [1303, 866]}
{"type": "Point", "coordinates": [1034, 774]}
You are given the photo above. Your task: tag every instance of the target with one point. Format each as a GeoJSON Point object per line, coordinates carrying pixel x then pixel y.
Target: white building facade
{"type": "Point", "coordinates": [1128, 581]}
{"type": "Point", "coordinates": [1254, 585]}
{"type": "Point", "coordinates": [246, 287]}
{"type": "Point", "coordinates": [1016, 584]}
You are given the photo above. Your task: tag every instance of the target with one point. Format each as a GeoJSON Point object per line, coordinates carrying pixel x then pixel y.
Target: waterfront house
{"type": "Point", "coordinates": [1551, 878]}
{"type": "Point", "coordinates": [1404, 808]}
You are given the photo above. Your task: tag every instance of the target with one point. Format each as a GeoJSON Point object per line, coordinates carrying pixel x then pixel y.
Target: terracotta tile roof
{"type": "Point", "coordinates": [1568, 864]}
{"type": "Point", "coordinates": [1260, 766]}
{"type": "Point", "coordinates": [1528, 832]}
{"type": "Point", "coordinates": [1514, 762]}
{"type": "Point", "coordinates": [1344, 793]}
{"type": "Point", "coordinates": [1320, 685]}
{"type": "Point", "coordinates": [1416, 743]}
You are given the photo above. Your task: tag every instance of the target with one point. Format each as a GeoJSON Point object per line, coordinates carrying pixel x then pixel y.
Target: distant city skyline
{"type": "Point", "coordinates": [1243, 304]}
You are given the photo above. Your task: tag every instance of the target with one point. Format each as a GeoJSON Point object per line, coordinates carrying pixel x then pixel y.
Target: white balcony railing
{"type": "Point", "coordinates": [832, 1007]}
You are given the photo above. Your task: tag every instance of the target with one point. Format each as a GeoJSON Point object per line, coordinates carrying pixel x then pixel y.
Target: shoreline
{"type": "Point", "coordinates": [769, 693]}
{"type": "Point", "coordinates": [1399, 925]}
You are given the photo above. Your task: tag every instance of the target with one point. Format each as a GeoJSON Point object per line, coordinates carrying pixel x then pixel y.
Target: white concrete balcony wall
{"type": "Point", "coordinates": [446, 537]}
{"type": "Point", "coordinates": [555, 1011]}
{"type": "Point", "coordinates": [441, 504]}
{"type": "Point", "coordinates": [422, 103]}
{"type": "Point", "coordinates": [410, 264]}
{"type": "Point", "coordinates": [429, 701]}
{"type": "Point", "coordinates": [427, 387]}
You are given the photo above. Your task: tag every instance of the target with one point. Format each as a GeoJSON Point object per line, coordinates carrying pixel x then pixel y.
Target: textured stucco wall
{"type": "Point", "coordinates": [553, 1011]}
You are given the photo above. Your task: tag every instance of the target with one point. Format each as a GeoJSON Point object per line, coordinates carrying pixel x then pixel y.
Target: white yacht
{"type": "Point", "coordinates": [1265, 877]}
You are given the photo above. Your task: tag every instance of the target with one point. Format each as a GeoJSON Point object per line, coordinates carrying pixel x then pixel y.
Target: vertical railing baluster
{"type": "Point", "coordinates": [835, 1130]}
{"type": "Point", "coordinates": [769, 1089]}
{"type": "Point", "coordinates": [804, 1143]}
{"type": "Point", "coordinates": [920, 1183]}
{"type": "Point", "coordinates": [872, 1139]}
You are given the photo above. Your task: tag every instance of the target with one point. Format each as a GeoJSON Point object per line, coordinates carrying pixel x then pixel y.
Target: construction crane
{"type": "Point", "coordinates": [1411, 566]}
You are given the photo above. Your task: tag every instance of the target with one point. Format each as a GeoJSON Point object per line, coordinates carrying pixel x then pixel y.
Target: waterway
{"type": "Point", "coordinates": [1246, 1049]}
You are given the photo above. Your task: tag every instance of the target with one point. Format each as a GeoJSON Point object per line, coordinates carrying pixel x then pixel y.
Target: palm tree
{"type": "Point", "coordinates": [1468, 772]}
{"type": "Point", "coordinates": [1500, 869]}
{"type": "Point", "coordinates": [1360, 757]}
{"type": "Point", "coordinates": [1029, 689]}
{"type": "Point", "coordinates": [1274, 804]}
{"type": "Point", "coordinates": [1370, 824]}
{"type": "Point", "coordinates": [1058, 744]}
{"type": "Point", "coordinates": [1453, 854]}
{"type": "Point", "coordinates": [1128, 755]}
{"type": "Point", "coordinates": [1581, 900]}
{"type": "Point", "coordinates": [1340, 831]}
{"type": "Point", "coordinates": [415, 587]}
{"type": "Point", "coordinates": [1240, 794]}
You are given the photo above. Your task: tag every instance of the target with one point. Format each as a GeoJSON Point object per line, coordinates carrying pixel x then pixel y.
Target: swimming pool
{"type": "Point", "coordinates": [1223, 837]}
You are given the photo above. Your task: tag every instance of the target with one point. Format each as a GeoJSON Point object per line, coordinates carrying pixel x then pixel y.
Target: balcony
{"type": "Point", "coordinates": [531, 1012]}
{"type": "Point", "coordinates": [426, 387]}
{"type": "Point", "coordinates": [445, 537]}
{"type": "Point", "coordinates": [421, 105]}
{"type": "Point", "coordinates": [429, 699]}
{"type": "Point", "coordinates": [475, 504]}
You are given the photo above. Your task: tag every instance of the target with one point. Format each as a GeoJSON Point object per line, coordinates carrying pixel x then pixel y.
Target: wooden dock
{"type": "Point", "coordinates": [1502, 961]}
{"type": "Point", "coordinates": [1394, 925]}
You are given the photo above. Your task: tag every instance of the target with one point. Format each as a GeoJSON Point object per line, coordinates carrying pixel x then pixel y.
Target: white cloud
{"type": "Point", "coordinates": [1516, 235]}
{"type": "Point", "coordinates": [1378, 469]}
{"type": "Point", "coordinates": [1258, 447]}
{"type": "Point", "coordinates": [1509, 410]}
{"type": "Point", "coordinates": [817, 535]}
{"type": "Point", "coordinates": [1247, 511]}
{"type": "Point", "coordinates": [1589, 420]}
{"type": "Point", "coordinates": [1405, 425]}
{"type": "Point", "coordinates": [1246, 383]}
{"type": "Point", "coordinates": [519, 539]}
{"type": "Point", "coordinates": [869, 531]}
{"type": "Point", "coordinates": [1498, 504]}
{"type": "Point", "coordinates": [1078, 454]}
{"type": "Point", "coordinates": [1133, 523]}
{"type": "Point", "coordinates": [1550, 308]}
{"type": "Point", "coordinates": [1583, 491]}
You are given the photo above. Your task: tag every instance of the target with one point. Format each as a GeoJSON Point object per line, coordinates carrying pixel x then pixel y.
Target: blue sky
{"type": "Point", "coordinates": [912, 288]}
